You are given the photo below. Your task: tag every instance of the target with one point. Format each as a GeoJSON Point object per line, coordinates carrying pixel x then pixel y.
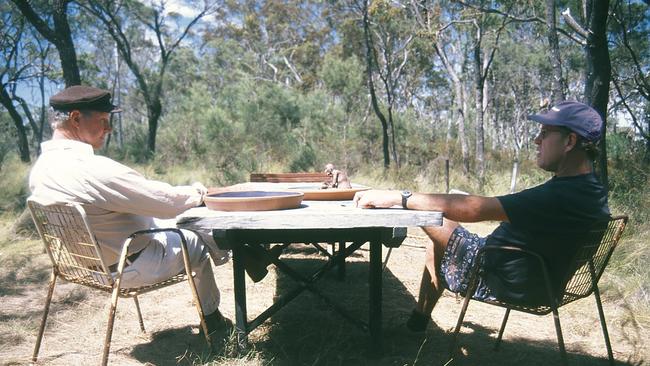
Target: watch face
{"type": "Point", "coordinates": [405, 197]}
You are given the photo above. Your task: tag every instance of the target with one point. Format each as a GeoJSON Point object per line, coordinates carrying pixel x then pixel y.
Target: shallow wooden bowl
{"type": "Point", "coordinates": [253, 200]}
{"type": "Point", "coordinates": [316, 193]}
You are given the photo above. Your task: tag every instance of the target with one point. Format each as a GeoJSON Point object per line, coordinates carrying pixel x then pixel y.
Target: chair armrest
{"type": "Point", "coordinates": [127, 243]}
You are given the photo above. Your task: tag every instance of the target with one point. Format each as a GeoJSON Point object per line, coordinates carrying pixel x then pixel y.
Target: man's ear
{"type": "Point", "coordinates": [572, 141]}
{"type": "Point", "coordinates": [74, 118]}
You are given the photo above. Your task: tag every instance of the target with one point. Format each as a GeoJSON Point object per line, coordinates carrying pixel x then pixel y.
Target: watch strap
{"type": "Point", "coordinates": [405, 197]}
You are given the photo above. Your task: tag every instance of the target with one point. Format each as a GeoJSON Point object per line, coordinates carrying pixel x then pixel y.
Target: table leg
{"type": "Point", "coordinates": [341, 264]}
{"type": "Point", "coordinates": [375, 305]}
{"type": "Point", "coordinates": [241, 318]}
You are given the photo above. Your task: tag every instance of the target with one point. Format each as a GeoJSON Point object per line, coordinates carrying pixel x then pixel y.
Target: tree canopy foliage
{"type": "Point", "coordinates": [246, 83]}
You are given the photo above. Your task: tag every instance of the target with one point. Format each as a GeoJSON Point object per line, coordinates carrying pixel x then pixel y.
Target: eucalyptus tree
{"type": "Point", "coordinates": [13, 70]}
{"type": "Point", "coordinates": [436, 24]}
{"type": "Point", "coordinates": [388, 37]}
{"type": "Point", "coordinates": [485, 28]}
{"type": "Point", "coordinates": [26, 66]}
{"type": "Point", "coordinates": [146, 37]}
{"type": "Point", "coordinates": [343, 79]}
{"type": "Point", "coordinates": [517, 78]}
{"type": "Point", "coordinates": [50, 19]}
{"type": "Point", "coordinates": [287, 39]}
{"type": "Point", "coordinates": [45, 72]}
{"type": "Point", "coordinates": [559, 86]}
{"type": "Point", "coordinates": [591, 28]}
{"type": "Point", "coordinates": [630, 39]}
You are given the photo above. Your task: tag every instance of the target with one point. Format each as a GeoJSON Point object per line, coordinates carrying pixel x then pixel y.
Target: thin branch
{"type": "Point", "coordinates": [501, 13]}
{"type": "Point", "coordinates": [639, 70]}
{"type": "Point", "coordinates": [41, 25]}
{"type": "Point", "coordinates": [629, 110]}
{"type": "Point", "coordinates": [568, 18]}
{"type": "Point", "coordinates": [531, 19]}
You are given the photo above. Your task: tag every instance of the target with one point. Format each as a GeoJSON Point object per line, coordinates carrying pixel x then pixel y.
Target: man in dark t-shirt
{"type": "Point", "coordinates": [550, 219]}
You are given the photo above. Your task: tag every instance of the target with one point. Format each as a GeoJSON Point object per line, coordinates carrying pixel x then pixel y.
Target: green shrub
{"type": "Point", "coordinates": [14, 186]}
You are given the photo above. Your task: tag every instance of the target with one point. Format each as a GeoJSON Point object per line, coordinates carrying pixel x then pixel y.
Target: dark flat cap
{"type": "Point", "coordinates": [83, 98]}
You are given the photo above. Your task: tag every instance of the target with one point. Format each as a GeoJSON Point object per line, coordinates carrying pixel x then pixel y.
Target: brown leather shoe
{"type": "Point", "coordinates": [217, 323]}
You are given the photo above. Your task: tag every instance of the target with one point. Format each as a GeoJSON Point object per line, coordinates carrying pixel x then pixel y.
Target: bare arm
{"type": "Point", "coordinates": [457, 207]}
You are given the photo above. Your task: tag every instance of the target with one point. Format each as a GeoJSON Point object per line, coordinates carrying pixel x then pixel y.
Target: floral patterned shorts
{"type": "Point", "coordinates": [458, 260]}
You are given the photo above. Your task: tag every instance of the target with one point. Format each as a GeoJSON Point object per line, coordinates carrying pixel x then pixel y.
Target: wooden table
{"type": "Point", "coordinates": [314, 222]}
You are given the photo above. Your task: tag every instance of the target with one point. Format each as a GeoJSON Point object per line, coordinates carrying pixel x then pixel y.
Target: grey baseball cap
{"type": "Point", "coordinates": [578, 117]}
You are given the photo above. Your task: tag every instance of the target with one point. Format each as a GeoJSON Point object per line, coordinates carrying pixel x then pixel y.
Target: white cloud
{"type": "Point", "coordinates": [181, 7]}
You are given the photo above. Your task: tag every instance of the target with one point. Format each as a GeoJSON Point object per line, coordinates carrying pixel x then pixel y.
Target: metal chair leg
{"type": "Point", "coordinates": [459, 323]}
{"type": "Point", "coordinates": [603, 324]}
{"type": "Point", "coordinates": [111, 321]}
{"type": "Point", "coordinates": [503, 327]}
{"type": "Point", "coordinates": [195, 294]}
{"type": "Point", "coordinates": [137, 308]}
{"type": "Point", "coordinates": [115, 295]}
{"type": "Point", "coordinates": [48, 301]}
{"type": "Point", "coordinates": [560, 338]}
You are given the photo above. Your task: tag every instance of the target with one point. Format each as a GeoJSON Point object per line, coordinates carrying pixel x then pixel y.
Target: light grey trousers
{"type": "Point", "coordinates": [163, 258]}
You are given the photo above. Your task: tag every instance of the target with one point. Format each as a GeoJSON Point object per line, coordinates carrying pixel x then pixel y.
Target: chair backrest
{"type": "Point", "coordinates": [70, 243]}
{"type": "Point", "coordinates": [592, 258]}
{"type": "Point", "coordinates": [290, 177]}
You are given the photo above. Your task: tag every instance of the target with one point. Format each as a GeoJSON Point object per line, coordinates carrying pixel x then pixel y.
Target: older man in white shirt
{"type": "Point", "coordinates": [118, 200]}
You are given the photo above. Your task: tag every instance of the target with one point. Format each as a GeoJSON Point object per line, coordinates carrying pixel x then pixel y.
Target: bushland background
{"type": "Point", "coordinates": [386, 90]}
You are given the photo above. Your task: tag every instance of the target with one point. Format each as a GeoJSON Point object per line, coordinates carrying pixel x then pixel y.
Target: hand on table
{"type": "Point", "coordinates": [375, 198]}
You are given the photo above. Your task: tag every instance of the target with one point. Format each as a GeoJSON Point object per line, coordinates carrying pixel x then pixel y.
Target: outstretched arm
{"type": "Point", "coordinates": [457, 207]}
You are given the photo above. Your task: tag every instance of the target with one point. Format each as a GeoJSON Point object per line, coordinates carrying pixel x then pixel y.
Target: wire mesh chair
{"type": "Point", "coordinates": [76, 257]}
{"type": "Point", "coordinates": [582, 280]}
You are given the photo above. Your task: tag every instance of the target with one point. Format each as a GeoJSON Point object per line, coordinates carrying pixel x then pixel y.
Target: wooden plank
{"type": "Point", "coordinates": [289, 177]}
{"type": "Point", "coordinates": [311, 215]}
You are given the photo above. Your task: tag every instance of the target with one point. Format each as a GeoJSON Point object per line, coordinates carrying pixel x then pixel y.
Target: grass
{"type": "Point", "coordinates": [289, 338]}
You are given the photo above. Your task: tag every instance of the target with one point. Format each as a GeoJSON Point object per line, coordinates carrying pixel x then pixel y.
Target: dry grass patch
{"type": "Point", "coordinates": [306, 331]}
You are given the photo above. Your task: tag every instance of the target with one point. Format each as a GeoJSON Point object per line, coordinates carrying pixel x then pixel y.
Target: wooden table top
{"type": "Point", "coordinates": [310, 215]}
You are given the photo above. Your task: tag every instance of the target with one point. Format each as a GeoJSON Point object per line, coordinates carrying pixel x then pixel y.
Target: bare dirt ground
{"type": "Point", "coordinates": [306, 331]}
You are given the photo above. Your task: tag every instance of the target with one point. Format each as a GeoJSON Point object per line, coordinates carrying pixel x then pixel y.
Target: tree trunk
{"type": "Point", "coordinates": [154, 110]}
{"type": "Point", "coordinates": [43, 116]}
{"type": "Point", "coordinates": [392, 137]}
{"type": "Point", "coordinates": [647, 140]}
{"type": "Point", "coordinates": [478, 104]}
{"type": "Point", "coordinates": [371, 85]}
{"type": "Point", "coordinates": [598, 73]}
{"type": "Point", "coordinates": [64, 44]}
{"type": "Point", "coordinates": [558, 85]}
{"type": "Point", "coordinates": [460, 106]}
{"type": "Point", "coordinates": [23, 145]}
{"type": "Point", "coordinates": [60, 36]}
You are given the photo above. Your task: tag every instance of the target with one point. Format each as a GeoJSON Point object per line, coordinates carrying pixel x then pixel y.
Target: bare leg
{"type": "Point", "coordinates": [431, 286]}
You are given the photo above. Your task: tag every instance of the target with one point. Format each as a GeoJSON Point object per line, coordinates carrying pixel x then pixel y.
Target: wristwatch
{"type": "Point", "coordinates": [405, 198]}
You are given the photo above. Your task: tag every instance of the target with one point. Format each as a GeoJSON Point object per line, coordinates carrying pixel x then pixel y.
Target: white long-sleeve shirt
{"type": "Point", "coordinates": [117, 199]}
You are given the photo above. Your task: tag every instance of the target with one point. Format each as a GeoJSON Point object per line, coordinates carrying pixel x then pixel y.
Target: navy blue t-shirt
{"type": "Point", "coordinates": [550, 219]}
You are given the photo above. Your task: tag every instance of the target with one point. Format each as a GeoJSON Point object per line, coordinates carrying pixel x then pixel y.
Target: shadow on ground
{"type": "Point", "coordinates": [173, 346]}
{"type": "Point", "coordinates": [308, 332]}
